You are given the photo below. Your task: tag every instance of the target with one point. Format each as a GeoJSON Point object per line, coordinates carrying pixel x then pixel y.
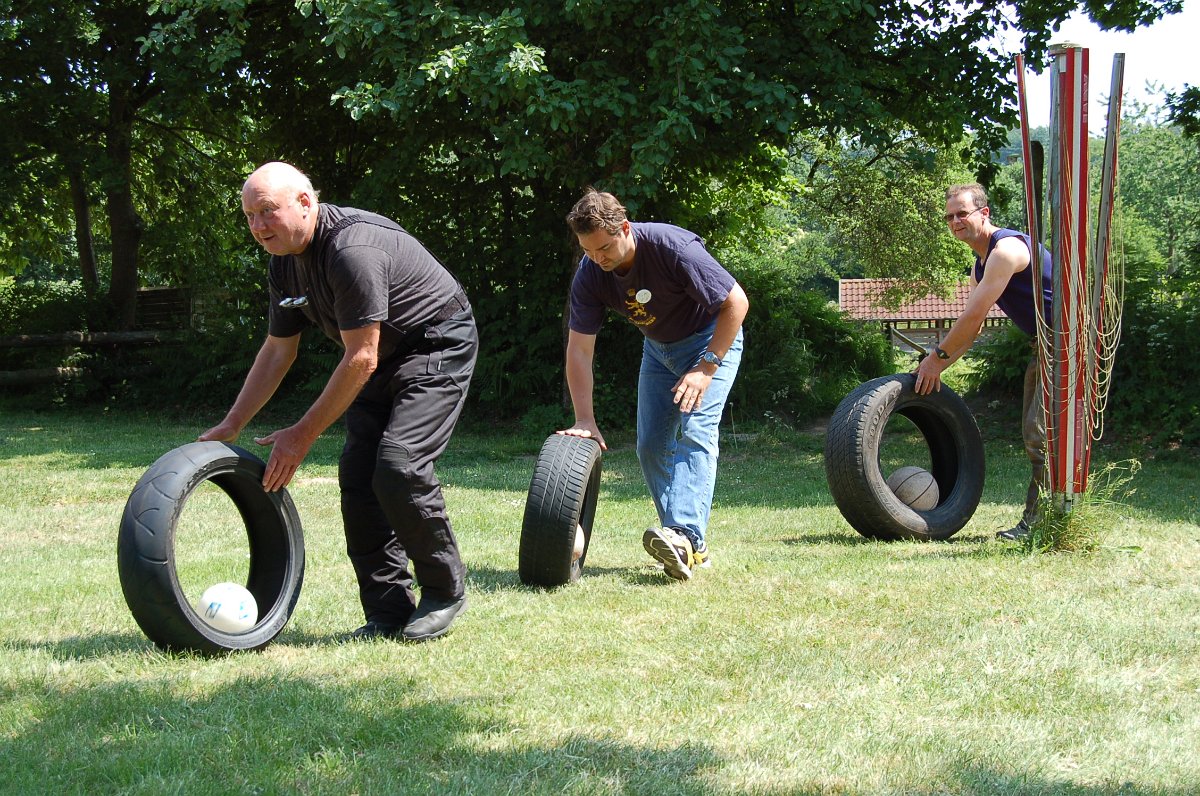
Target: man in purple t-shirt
{"type": "Point", "coordinates": [690, 310]}
{"type": "Point", "coordinates": [1001, 276]}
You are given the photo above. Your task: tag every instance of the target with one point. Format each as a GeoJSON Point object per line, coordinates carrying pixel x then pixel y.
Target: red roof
{"type": "Point", "coordinates": [858, 298]}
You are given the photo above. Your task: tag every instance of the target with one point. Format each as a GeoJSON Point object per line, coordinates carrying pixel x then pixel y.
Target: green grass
{"type": "Point", "coordinates": [808, 660]}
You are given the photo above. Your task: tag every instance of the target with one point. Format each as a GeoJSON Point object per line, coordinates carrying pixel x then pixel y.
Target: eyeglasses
{"type": "Point", "coordinates": [961, 215]}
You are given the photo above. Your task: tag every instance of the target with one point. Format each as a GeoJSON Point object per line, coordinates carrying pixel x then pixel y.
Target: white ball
{"type": "Point", "coordinates": [915, 487]}
{"type": "Point", "coordinates": [580, 543]}
{"type": "Point", "coordinates": [228, 607]}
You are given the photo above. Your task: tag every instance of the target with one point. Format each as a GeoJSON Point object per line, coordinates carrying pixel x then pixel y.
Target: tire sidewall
{"type": "Point", "coordinates": [563, 493]}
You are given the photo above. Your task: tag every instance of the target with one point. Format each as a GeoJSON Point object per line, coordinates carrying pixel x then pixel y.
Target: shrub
{"type": "Point", "coordinates": [1155, 376]}
{"type": "Point", "coordinates": [543, 420]}
{"type": "Point", "coordinates": [229, 327]}
{"type": "Point", "coordinates": [40, 307]}
{"type": "Point", "coordinates": [1000, 362]}
{"type": "Point", "coordinates": [803, 355]}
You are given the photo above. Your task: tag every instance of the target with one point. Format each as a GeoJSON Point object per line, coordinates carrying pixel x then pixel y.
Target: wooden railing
{"type": "Point", "coordinates": [163, 317]}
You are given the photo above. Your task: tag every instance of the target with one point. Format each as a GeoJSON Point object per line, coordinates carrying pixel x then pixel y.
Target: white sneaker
{"type": "Point", "coordinates": [672, 549]}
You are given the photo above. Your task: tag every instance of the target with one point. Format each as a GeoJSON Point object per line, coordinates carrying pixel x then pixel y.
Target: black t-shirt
{"type": "Point", "coordinates": [359, 268]}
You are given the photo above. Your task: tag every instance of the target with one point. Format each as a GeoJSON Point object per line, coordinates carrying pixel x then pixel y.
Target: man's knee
{"type": "Point", "coordinates": [1035, 444]}
{"type": "Point", "coordinates": [653, 448]}
{"type": "Point", "coordinates": [393, 471]}
{"type": "Point", "coordinates": [355, 468]}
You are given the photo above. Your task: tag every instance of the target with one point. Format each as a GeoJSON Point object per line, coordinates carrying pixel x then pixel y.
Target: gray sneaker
{"type": "Point", "coordinates": [672, 549]}
{"type": "Point", "coordinates": [1015, 533]}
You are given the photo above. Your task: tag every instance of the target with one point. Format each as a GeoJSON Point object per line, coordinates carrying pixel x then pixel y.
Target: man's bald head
{"type": "Point", "coordinates": [280, 175]}
{"type": "Point", "coordinates": [281, 207]}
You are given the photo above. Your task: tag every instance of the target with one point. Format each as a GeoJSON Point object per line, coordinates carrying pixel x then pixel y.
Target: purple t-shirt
{"type": "Point", "coordinates": [674, 289]}
{"type": "Point", "coordinates": [359, 268]}
{"type": "Point", "coordinates": [1017, 299]}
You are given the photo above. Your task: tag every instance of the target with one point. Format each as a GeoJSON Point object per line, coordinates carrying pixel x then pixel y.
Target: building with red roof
{"type": "Point", "coordinates": [924, 322]}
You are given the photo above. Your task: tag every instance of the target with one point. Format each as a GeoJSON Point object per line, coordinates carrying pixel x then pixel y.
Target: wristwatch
{"type": "Point", "coordinates": [937, 349]}
{"type": "Point", "coordinates": [710, 358]}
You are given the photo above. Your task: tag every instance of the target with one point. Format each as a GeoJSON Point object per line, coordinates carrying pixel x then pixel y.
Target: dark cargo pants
{"type": "Point", "coordinates": [392, 504]}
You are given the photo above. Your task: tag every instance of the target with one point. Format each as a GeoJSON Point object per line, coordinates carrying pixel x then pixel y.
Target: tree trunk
{"type": "Point", "coordinates": [83, 229]}
{"type": "Point", "coordinates": [125, 225]}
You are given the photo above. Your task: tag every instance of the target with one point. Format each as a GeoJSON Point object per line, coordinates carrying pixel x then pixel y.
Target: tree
{"type": "Point", "coordinates": [45, 105]}
{"type": "Point", "coordinates": [500, 115]}
{"type": "Point", "coordinates": [478, 124]}
{"type": "Point", "coordinates": [92, 118]}
{"type": "Point", "coordinates": [880, 208]}
{"type": "Point", "coordinates": [1185, 110]}
{"type": "Point", "coordinates": [644, 92]}
{"type": "Point", "coordinates": [1159, 173]}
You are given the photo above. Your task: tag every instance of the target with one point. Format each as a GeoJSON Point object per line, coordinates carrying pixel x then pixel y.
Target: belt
{"type": "Point", "coordinates": [448, 310]}
{"type": "Point", "coordinates": [451, 308]}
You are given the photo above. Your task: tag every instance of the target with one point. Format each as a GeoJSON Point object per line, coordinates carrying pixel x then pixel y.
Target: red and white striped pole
{"type": "Point", "coordinates": [1105, 301]}
{"type": "Point", "coordinates": [1068, 431]}
{"type": "Point", "coordinates": [1076, 342]}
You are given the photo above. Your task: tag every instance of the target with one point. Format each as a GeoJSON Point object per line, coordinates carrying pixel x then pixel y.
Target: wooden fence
{"type": "Point", "coordinates": [163, 317]}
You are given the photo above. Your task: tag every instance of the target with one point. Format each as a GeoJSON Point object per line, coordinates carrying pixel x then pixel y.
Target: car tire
{"type": "Point", "coordinates": [852, 445]}
{"type": "Point", "coordinates": [562, 496]}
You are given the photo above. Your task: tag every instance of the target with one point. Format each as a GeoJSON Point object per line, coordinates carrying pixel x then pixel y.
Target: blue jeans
{"type": "Point", "coordinates": [678, 452]}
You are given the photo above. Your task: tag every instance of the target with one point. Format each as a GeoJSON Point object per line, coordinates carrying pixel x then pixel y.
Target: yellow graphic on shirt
{"type": "Point", "coordinates": [637, 310]}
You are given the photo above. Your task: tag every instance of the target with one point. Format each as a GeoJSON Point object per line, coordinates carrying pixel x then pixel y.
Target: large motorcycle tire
{"type": "Point", "coordinates": [562, 496]}
{"type": "Point", "coordinates": [859, 488]}
{"type": "Point", "coordinates": [146, 548]}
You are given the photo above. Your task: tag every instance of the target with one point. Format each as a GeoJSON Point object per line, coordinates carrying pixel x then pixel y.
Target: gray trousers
{"type": "Point", "coordinates": [1033, 433]}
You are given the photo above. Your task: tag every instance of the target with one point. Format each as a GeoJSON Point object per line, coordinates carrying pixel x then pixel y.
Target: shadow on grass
{"type": "Point", "coordinates": [382, 734]}
{"type": "Point", "coordinates": [295, 735]}
{"type": "Point", "coordinates": [86, 647]}
{"type": "Point", "coordinates": [491, 580]}
{"type": "Point", "coordinates": [842, 539]}
{"type": "Point", "coordinates": [955, 547]}
{"type": "Point", "coordinates": [80, 648]}
{"type": "Point", "coordinates": [972, 779]}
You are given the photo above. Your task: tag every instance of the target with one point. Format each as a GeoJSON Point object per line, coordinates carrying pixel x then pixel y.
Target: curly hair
{"type": "Point", "coordinates": [596, 210]}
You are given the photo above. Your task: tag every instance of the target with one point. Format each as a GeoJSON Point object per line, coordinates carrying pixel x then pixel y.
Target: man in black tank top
{"type": "Point", "coordinates": [409, 344]}
{"type": "Point", "coordinates": [1001, 276]}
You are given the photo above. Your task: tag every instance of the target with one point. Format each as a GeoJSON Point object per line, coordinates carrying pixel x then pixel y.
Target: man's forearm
{"type": "Point", "coordinates": [344, 385]}
{"type": "Point", "coordinates": [580, 385]}
{"type": "Point", "coordinates": [729, 321]}
{"type": "Point", "coordinates": [271, 364]}
{"type": "Point", "coordinates": [963, 334]}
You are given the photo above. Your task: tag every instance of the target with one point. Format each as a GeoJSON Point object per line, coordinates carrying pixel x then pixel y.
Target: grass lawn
{"type": "Point", "coordinates": [807, 660]}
